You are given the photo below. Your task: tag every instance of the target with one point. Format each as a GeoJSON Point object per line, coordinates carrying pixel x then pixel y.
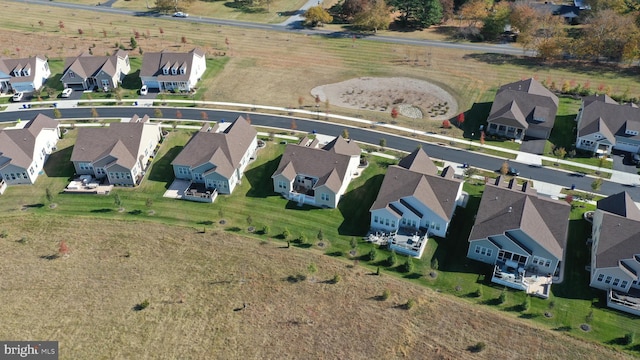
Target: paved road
{"type": "Point", "coordinates": [371, 136]}
{"type": "Point", "coordinates": [293, 26]}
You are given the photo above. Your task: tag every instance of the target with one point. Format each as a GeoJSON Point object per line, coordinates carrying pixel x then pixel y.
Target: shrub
{"type": "Point", "coordinates": [446, 124]}
{"type": "Point", "coordinates": [336, 279]}
{"type": "Point", "coordinates": [353, 243]}
{"type": "Point", "coordinates": [589, 317]}
{"type": "Point", "coordinates": [478, 347]}
{"type": "Point", "coordinates": [372, 255]}
{"type": "Point", "coordinates": [628, 338]}
{"type": "Point", "coordinates": [478, 292]}
{"type": "Point", "coordinates": [407, 267]}
{"type": "Point", "coordinates": [312, 268]}
{"type": "Point", "coordinates": [143, 305]}
{"type": "Point", "coordinates": [265, 230]}
{"type": "Point", "coordinates": [386, 294]}
{"type": "Point", "coordinates": [285, 233]}
{"type": "Point", "coordinates": [526, 304]}
{"type": "Point", "coordinates": [392, 260]}
{"type": "Point", "coordinates": [4, 234]}
{"type": "Point", "coordinates": [503, 296]}
{"type": "Point", "coordinates": [434, 264]}
{"type": "Point", "coordinates": [410, 304]}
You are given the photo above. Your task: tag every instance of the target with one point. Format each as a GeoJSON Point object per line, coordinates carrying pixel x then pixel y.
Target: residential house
{"type": "Point", "coordinates": [569, 13]}
{"type": "Point", "coordinates": [604, 125]}
{"type": "Point", "coordinates": [415, 200]}
{"type": "Point", "coordinates": [216, 157]}
{"type": "Point", "coordinates": [119, 153]}
{"type": "Point", "coordinates": [25, 149]}
{"type": "Point", "coordinates": [173, 71]}
{"type": "Point", "coordinates": [523, 235]}
{"type": "Point", "coordinates": [314, 175]}
{"type": "Point", "coordinates": [89, 72]}
{"type": "Point", "coordinates": [523, 108]}
{"type": "Point", "coordinates": [615, 252]}
{"type": "Point", "coordinates": [26, 75]}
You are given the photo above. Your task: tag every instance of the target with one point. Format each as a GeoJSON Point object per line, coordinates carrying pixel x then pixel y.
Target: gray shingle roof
{"type": "Point", "coordinates": [17, 146]}
{"type": "Point", "coordinates": [416, 176]}
{"type": "Point", "coordinates": [9, 65]}
{"type": "Point", "coordinates": [619, 230]}
{"type": "Point", "coordinates": [329, 166]}
{"type": "Point", "coordinates": [86, 65]}
{"type": "Point", "coordinates": [117, 142]}
{"type": "Point", "coordinates": [223, 150]}
{"type": "Point", "coordinates": [609, 118]}
{"type": "Point", "coordinates": [523, 102]}
{"type": "Point", "coordinates": [504, 208]}
{"type": "Point", "coordinates": [620, 204]}
{"type": "Point", "coordinates": [154, 62]}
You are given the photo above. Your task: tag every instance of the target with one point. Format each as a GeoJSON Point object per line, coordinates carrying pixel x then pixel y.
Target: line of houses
{"type": "Point", "coordinates": [520, 233]}
{"type": "Point", "coordinates": [161, 71]}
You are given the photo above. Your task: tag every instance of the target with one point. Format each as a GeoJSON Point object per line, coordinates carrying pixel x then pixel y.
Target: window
{"type": "Point", "coordinates": [483, 251]}
{"type": "Point", "coordinates": [386, 222]}
{"type": "Point", "coordinates": [616, 282]}
{"type": "Point", "coordinates": [404, 221]}
{"type": "Point", "coordinates": [165, 71]}
{"type": "Point", "coordinates": [324, 197]}
{"type": "Point", "coordinates": [71, 74]}
{"type": "Point", "coordinates": [282, 184]}
{"type": "Point", "coordinates": [541, 261]}
{"type": "Point", "coordinates": [375, 219]}
{"type": "Point", "coordinates": [393, 223]}
{"type": "Point", "coordinates": [624, 284]}
{"type": "Point", "coordinates": [608, 280]}
{"type": "Point", "coordinates": [174, 71]}
{"type": "Point", "coordinates": [600, 277]}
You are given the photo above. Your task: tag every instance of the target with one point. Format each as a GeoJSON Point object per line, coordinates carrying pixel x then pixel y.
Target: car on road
{"type": "Point", "coordinates": [17, 96]}
{"type": "Point", "coordinates": [144, 90]}
{"type": "Point", "coordinates": [66, 92]}
{"type": "Point", "coordinates": [513, 171]}
{"type": "Point", "coordinates": [635, 159]}
{"type": "Point", "coordinates": [180, 14]}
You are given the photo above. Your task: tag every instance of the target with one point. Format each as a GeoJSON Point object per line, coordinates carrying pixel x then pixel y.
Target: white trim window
{"type": "Point", "coordinates": [481, 250]}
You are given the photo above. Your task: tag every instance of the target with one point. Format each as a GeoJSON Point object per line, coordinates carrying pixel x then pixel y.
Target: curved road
{"type": "Point", "coordinates": [371, 136]}
{"type": "Point", "coordinates": [292, 27]}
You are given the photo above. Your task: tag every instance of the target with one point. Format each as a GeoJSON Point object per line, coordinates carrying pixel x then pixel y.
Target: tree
{"type": "Point", "coordinates": [133, 43]}
{"type": "Point", "coordinates": [446, 124]}
{"type": "Point", "coordinates": [294, 126]}
{"type": "Point", "coordinates": [596, 184]}
{"type": "Point", "coordinates": [157, 113]}
{"type": "Point", "coordinates": [56, 113]}
{"type": "Point", "coordinates": [610, 35]}
{"type": "Point", "coordinates": [392, 260]}
{"type": "Point", "coordinates": [482, 137]}
{"type": "Point", "coordinates": [568, 199]}
{"type": "Point", "coordinates": [312, 268]}
{"type": "Point", "coordinates": [352, 8]}
{"type": "Point", "coordinates": [394, 112]}
{"type": "Point", "coordinates": [494, 23]}
{"type": "Point", "coordinates": [316, 15]}
{"type": "Point", "coordinates": [504, 169]}
{"type": "Point", "coordinates": [460, 119]}
{"type": "Point", "coordinates": [523, 20]}
{"type": "Point", "coordinates": [419, 13]}
{"type": "Point", "coordinates": [372, 255]}
{"type": "Point", "coordinates": [345, 133]}
{"type": "Point", "coordinates": [204, 115]}
{"type": "Point", "coordinates": [503, 296]}
{"type": "Point", "coordinates": [166, 6]}
{"type": "Point", "coordinates": [550, 36]}
{"type": "Point", "coordinates": [408, 266]}
{"type": "Point", "coordinates": [320, 235]}
{"type": "Point", "coordinates": [475, 11]}
{"type": "Point", "coordinates": [383, 143]}
{"type": "Point", "coordinates": [265, 230]}
{"type": "Point", "coordinates": [117, 201]}
{"type": "Point", "coordinates": [285, 233]}
{"type": "Point", "coordinates": [374, 16]}
{"type": "Point", "coordinates": [48, 195]}
{"type": "Point", "coordinates": [63, 248]}
{"type": "Point", "coordinates": [178, 114]}
{"type": "Point", "coordinates": [353, 243]}
{"type": "Point", "coordinates": [300, 102]}
{"type": "Point", "coordinates": [94, 113]}
{"type": "Point", "coordinates": [560, 153]}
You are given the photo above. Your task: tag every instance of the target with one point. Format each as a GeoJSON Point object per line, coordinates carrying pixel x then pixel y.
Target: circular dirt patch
{"type": "Point", "coordinates": [353, 252]}
{"type": "Point", "coordinates": [53, 206]}
{"type": "Point", "coordinates": [548, 314]}
{"type": "Point", "coordinates": [223, 221]}
{"type": "Point", "coordinates": [251, 229]}
{"type": "Point", "coordinates": [585, 327]}
{"type": "Point", "coordinates": [433, 274]}
{"type": "Point", "coordinates": [414, 98]}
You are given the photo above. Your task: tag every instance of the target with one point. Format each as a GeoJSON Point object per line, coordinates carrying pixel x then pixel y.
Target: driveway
{"type": "Point", "coordinates": [622, 162]}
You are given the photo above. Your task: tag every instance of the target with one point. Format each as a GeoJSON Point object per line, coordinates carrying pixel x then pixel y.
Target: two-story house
{"type": "Point", "coordinates": [26, 75]}
{"type": "Point", "coordinates": [173, 71]}
{"type": "Point", "coordinates": [89, 72]}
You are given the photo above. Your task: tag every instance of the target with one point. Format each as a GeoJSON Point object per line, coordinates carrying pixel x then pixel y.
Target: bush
{"type": "Point", "coordinates": [478, 347]}
{"type": "Point", "coordinates": [526, 304]}
{"type": "Point", "coordinates": [407, 267]}
{"type": "Point", "coordinates": [434, 264]}
{"type": "Point", "coordinates": [478, 292]}
{"type": "Point", "coordinates": [386, 294]}
{"type": "Point", "coordinates": [143, 305]}
{"type": "Point", "coordinates": [373, 254]}
{"type": "Point", "coordinates": [628, 338]}
{"type": "Point", "coordinates": [503, 296]}
{"type": "Point", "coordinates": [392, 260]}
{"type": "Point", "coordinates": [336, 279]}
{"type": "Point", "coordinates": [4, 234]}
{"type": "Point", "coordinates": [410, 304]}
{"type": "Point", "coordinates": [266, 229]}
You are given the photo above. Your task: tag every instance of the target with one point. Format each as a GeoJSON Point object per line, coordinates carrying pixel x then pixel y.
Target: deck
{"type": "Point", "coordinates": [628, 302]}
{"type": "Point", "coordinates": [521, 279]}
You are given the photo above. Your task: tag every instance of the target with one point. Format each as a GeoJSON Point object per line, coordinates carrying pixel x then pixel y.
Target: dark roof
{"type": "Point", "coordinates": [619, 231]}
{"type": "Point", "coordinates": [17, 146]}
{"type": "Point", "coordinates": [620, 204]}
{"type": "Point", "coordinates": [608, 118]}
{"type": "Point", "coordinates": [566, 11]}
{"type": "Point", "coordinates": [329, 166]}
{"type": "Point", "coordinates": [223, 150]}
{"type": "Point", "coordinates": [416, 176]}
{"type": "Point", "coordinates": [525, 104]}
{"type": "Point", "coordinates": [86, 65]}
{"type": "Point", "coordinates": [341, 146]}
{"type": "Point", "coordinates": [504, 208]}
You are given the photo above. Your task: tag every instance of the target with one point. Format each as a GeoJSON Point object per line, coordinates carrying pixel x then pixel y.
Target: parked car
{"type": "Point", "coordinates": [17, 96]}
{"type": "Point", "coordinates": [635, 159]}
{"type": "Point", "coordinates": [144, 90]}
{"type": "Point", "coordinates": [513, 171]}
{"type": "Point", "coordinates": [180, 14]}
{"type": "Point", "coordinates": [66, 92]}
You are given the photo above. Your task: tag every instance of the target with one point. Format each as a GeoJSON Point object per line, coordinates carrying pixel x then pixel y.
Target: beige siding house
{"type": "Point", "coordinates": [23, 74]}
{"type": "Point", "coordinates": [25, 149]}
{"type": "Point", "coordinates": [119, 152]}
{"type": "Point", "coordinates": [217, 158]}
{"type": "Point", "coordinates": [615, 252]}
{"type": "Point", "coordinates": [318, 176]}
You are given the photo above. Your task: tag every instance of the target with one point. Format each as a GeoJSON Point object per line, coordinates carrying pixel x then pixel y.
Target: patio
{"type": "Point", "coordinates": [516, 277]}
{"type": "Point", "coordinates": [628, 302]}
{"type": "Point", "coordinates": [86, 184]}
{"type": "Point", "coordinates": [404, 241]}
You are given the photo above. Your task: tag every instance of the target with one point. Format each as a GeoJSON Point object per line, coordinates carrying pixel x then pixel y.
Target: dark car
{"type": "Point", "coordinates": [635, 159]}
{"type": "Point", "coordinates": [513, 171]}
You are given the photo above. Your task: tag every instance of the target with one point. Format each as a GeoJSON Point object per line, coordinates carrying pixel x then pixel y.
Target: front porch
{"type": "Point", "coordinates": [628, 302]}
{"type": "Point", "coordinates": [511, 275]}
{"type": "Point", "coordinates": [505, 131]}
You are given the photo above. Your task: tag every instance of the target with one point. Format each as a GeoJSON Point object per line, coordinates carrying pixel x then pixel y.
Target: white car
{"type": "Point", "coordinates": [66, 92]}
{"type": "Point", "coordinates": [180, 14]}
{"type": "Point", "coordinates": [144, 90]}
{"type": "Point", "coordinates": [18, 96]}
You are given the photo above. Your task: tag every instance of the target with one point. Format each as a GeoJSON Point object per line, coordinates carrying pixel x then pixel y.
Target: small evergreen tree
{"type": "Point", "coordinates": [392, 260]}
{"type": "Point", "coordinates": [48, 195]}
{"type": "Point", "coordinates": [526, 304]}
{"type": "Point", "coordinates": [285, 233]}
{"type": "Point", "coordinates": [386, 294]}
{"type": "Point", "coordinates": [408, 266]}
{"type": "Point", "coordinates": [320, 235]}
{"type": "Point", "coordinates": [266, 229]}
{"type": "Point", "coordinates": [133, 43]}
{"type": "Point", "coordinates": [373, 254]}
{"type": "Point", "coordinates": [503, 296]}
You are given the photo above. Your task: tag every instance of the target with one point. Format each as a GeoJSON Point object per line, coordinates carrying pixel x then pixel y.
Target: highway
{"type": "Point", "coordinates": [365, 135]}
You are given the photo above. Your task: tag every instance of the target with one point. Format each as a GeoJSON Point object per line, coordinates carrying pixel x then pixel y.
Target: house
{"type": "Point", "coordinates": [26, 75]}
{"type": "Point", "coordinates": [217, 158]}
{"type": "Point", "coordinates": [569, 13]}
{"type": "Point", "coordinates": [119, 153]}
{"type": "Point", "coordinates": [523, 235]}
{"type": "Point", "coordinates": [615, 252]}
{"type": "Point", "coordinates": [25, 149]}
{"type": "Point", "coordinates": [314, 175]}
{"type": "Point", "coordinates": [415, 200]}
{"type": "Point", "coordinates": [523, 108]}
{"type": "Point", "coordinates": [88, 72]}
{"type": "Point", "coordinates": [604, 125]}
{"type": "Point", "coordinates": [173, 71]}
